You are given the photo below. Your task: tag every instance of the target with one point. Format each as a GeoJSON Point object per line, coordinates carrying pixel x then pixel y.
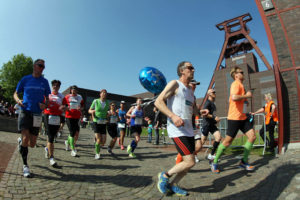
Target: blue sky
{"type": "Point", "coordinates": [98, 44]}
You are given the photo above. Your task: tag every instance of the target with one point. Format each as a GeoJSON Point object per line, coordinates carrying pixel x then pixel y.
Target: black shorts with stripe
{"type": "Point", "coordinates": [184, 145]}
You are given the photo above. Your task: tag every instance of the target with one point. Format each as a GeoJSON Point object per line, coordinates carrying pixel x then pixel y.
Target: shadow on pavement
{"type": "Point", "coordinates": [219, 184]}
{"type": "Point", "coordinates": [272, 186]}
{"type": "Point", "coordinates": [130, 181]}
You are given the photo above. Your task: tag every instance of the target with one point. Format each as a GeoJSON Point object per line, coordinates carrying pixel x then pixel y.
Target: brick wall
{"type": "Point", "coordinates": [285, 29]}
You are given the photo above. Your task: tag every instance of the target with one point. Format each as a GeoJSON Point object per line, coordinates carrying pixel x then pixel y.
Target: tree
{"type": "Point", "coordinates": [12, 72]}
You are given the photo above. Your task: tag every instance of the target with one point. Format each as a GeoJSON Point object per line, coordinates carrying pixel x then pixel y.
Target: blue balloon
{"type": "Point", "coordinates": [152, 80]}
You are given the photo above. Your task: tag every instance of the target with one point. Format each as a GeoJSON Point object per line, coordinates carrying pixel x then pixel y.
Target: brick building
{"type": "Point", "coordinates": [281, 21]}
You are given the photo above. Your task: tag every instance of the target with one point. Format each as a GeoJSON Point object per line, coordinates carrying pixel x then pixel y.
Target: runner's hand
{"type": "Point", "coordinates": [178, 122]}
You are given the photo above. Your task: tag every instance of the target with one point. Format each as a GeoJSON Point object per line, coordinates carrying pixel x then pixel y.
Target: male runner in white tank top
{"type": "Point", "coordinates": [179, 109]}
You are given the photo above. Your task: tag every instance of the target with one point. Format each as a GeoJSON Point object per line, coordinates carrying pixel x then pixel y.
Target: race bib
{"type": "Point", "coordinates": [121, 125]}
{"type": "Point", "coordinates": [74, 105]}
{"type": "Point", "coordinates": [113, 119]}
{"type": "Point", "coordinates": [101, 121]}
{"type": "Point", "coordinates": [54, 120]}
{"type": "Point", "coordinates": [138, 121]}
{"type": "Point", "coordinates": [37, 120]}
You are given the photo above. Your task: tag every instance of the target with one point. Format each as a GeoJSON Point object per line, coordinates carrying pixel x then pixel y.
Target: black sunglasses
{"type": "Point", "coordinates": [41, 65]}
{"type": "Point", "coordinates": [241, 72]}
{"type": "Point", "coordinates": [190, 67]}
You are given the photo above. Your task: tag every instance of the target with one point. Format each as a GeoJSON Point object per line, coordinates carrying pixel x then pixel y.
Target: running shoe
{"type": "Point", "coordinates": [59, 134]}
{"type": "Point", "coordinates": [132, 155]}
{"type": "Point", "coordinates": [122, 147]}
{"type": "Point", "coordinates": [214, 168]}
{"type": "Point", "coordinates": [129, 149]}
{"type": "Point", "coordinates": [211, 157]}
{"type": "Point", "coordinates": [67, 145]}
{"type": "Point", "coordinates": [97, 156]}
{"type": "Point", "coordinates": [46, 153]}
{"type": "Point", "coordinates": [52, 162]}
{"type": "Point", "coordinates": [163, 183]}
{"type": "Point", "coordinates": [26, 172]}
{"type": "Point", "coordinates": [196, 159]}
{"type": "Point", "coordinates": [109, 150]}
{"type": "Point", "coordinates": [73, 153]}
{"type": "Point", "coordinates": [246, 166]}
{"type": "Point", "coordinates": [178, 191]}
{"type": "Point", "coordinates": [19, 143]}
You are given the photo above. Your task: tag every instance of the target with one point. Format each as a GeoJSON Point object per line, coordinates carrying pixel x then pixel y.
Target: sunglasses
{"type": "Point", "coordinates": [41, 65]}
{"type": "Point", "coordinates": [189, 67]}
{"type": "Point", "coordinates": [240, 73]}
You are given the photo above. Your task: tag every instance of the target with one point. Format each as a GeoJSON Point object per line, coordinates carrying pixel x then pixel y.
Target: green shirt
{"type": "Point", "coordinates": [101, 112]}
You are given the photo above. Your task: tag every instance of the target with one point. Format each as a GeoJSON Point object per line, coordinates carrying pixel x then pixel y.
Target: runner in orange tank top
{"type": "Point", "coordinates": [237, 120]}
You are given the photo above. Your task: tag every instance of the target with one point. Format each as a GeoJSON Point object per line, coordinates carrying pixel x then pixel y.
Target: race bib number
{"type": "Point", "coordinates": [37, 120]}
{"type": "Point", "coordinates": [138, 121]}
{"type": "Point", "coordinates": [54, 120]}
{"type": "Point", "coordinates": [121, 125]}
{"type": "Point", "coordinates": [101, 121]}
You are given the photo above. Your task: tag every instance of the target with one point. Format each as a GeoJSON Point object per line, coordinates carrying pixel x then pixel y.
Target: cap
{"type": "Point", "coordinates": [122, 102]}
{"type": "Point", "coordinates": [194, 82]}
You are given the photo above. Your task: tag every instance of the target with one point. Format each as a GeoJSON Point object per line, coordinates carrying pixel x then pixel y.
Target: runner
{"type": "Point", "coordinates": [74, 105]}
{"type": "Point", "coordinates": [271, 118]}
{"type": "Point", "coordinates": [136, 121]}
{"type": "Point", "coordinates": [98, 110]}
{"type": "Point", "coordinates": [179, 110]}
{"type": "Point", "coordinates": [112, 127]}
{"type": "Point", "coordinates": [35, 89]}
{"type": "Point", "coordinates": [52, 119]}
{"type": "Point", "coordinates": [197, 134]}
{"type": "Point", "coordinates": [237, 120]}
{"type": "Point", "coordinates": [209, 123]}
{"type": "Point", "coordinates": [122, 123]}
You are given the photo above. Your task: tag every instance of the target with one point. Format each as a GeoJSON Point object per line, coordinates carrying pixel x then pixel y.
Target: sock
{"type": "Point", "coordinates": [24, 153]}
{"type": "Point", "coordinates": [178, 158]}
{"type": "Point", "coordinates": [220, 151]}
{"type": "Point", "coordinates": [133, 145]}
{"type": "Point", "coordinates": [247, 148]}
{"type": "Point", "coordinates": [71, 142]}
{"type": "Point", "coordinates": [215, 146]}
{"type": "Point", "coordinates": [97, 148]}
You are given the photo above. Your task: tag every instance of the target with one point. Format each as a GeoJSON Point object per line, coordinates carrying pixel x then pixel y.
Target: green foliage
{"type": "Point", "coordinates": [12, 72]}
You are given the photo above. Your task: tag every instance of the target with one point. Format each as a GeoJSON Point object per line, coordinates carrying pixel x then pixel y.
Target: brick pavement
{"type": "Point", "coordinates": [121, 177]}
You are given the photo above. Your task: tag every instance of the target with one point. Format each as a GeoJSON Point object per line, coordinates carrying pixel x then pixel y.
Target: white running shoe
{"type": "Point", "coordinates": [211, 157]}
{"type": "Point", "coordinates": [196, 159]}
{"type": "Point", "coordinates": [52, 162]}
{"type": "Point", "coordinates": [73, 153]}
{"type": "Point", "coordinates": [46, 153]}
{"type": "Point", "coordinates": [59, 134]}
{"type": "Point", "coordinates": [97, 156]}
{"type": "Point", "coordinates": [67, 145]}
{"type": "Point", "coordinates": [26, 172]}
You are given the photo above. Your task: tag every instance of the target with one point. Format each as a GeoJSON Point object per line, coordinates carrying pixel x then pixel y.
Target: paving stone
{"type": "Point", "coordinates": [121, 177]}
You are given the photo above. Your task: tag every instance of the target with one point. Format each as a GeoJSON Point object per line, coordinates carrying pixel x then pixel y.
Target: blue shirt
{"type": "Point", "coordinates": [34, 92]}
{"type": "Point", "coordinates": [138, 120]}
{"type": "Point", "coordinates": [150, 127]}
{"type": "Point", "coordinates": [122, 114]}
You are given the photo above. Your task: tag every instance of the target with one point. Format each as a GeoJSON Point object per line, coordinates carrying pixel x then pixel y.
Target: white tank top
{"type": "Point", "coordinates": [182, 105]}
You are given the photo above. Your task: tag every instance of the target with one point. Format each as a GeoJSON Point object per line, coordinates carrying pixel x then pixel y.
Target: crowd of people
{"type": "Point", "coordinates": [177, 101]}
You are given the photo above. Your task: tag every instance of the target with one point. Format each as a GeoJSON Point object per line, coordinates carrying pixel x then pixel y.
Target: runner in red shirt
{"type": "Point", "coordinates": [52, 119]}
{"type": "Point", "coordinates": [74, 106]}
